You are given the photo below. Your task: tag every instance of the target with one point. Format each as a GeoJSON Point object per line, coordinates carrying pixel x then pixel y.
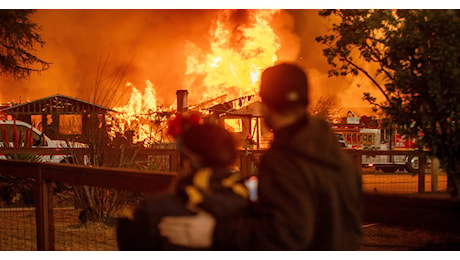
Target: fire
{"type": "Point", "coordinates": [141, 115]}
{"type": "Point", "coordinates": [237, 55]}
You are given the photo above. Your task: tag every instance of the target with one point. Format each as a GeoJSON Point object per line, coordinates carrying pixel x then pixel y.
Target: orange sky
{"type": "Point", "coordinates": [150, 45]}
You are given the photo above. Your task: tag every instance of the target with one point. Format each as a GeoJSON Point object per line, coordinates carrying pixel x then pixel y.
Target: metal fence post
{"type": "Point", "coordinates": [421, 171]}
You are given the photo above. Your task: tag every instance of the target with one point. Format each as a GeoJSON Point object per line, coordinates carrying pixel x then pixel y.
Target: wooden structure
{"type": "Point", "coordinates": [59, 116]}
{"type": "Point", "coordinates": [244, 119]}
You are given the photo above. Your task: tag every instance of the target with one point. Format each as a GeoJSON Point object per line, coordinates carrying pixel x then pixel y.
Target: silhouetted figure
{"type": "Point", "coordinates": [207, 182]}
{"type": "Point", "coordinates": [309, 193]}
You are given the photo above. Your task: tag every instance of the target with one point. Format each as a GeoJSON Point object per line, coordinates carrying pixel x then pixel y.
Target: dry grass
{"type": "Point", "coordinates": [18, 232]}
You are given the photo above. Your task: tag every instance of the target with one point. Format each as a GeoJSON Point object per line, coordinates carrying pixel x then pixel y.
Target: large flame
{"type": "Point", "coordinates": [141, 116]}
{"type": "Point", "coordinates": [237, 55]}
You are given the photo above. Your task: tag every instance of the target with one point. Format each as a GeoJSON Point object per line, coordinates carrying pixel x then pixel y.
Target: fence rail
{"type": "Point", "coordinates": [45, 174]}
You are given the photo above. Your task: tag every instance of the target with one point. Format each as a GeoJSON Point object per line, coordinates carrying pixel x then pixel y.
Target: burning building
{"type": "Point", "coordinates": [217, 56]}
{"type": "Point", "coordinates": [60, 117]}
{"type": "Point", "coordinates": [220, 81]}
{"type": "Point", "coordinates": [241, 116]}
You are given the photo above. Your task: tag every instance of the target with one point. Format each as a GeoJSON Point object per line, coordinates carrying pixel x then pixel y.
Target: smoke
{"type": "Point", "coordinates": [101, 50]}
{"type": "Point", "coordinates": [347, 91]}
{"type": "Point", "coordinates": [89, 45]}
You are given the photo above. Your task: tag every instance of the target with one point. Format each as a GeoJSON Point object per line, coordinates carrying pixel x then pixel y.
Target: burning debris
{"type": "Point", "coordinates": [144, 123]}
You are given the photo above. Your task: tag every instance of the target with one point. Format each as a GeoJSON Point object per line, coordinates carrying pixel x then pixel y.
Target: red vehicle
{"type": "Point", "coordinates": [367, 134]}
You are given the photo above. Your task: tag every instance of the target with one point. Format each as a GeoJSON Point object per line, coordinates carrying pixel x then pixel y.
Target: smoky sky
{"type": "Point", "coordinates": [95, 52]}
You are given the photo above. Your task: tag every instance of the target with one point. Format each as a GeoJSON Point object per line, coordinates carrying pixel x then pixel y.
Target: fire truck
{"type": "Point", "coordinates": [366, 133]}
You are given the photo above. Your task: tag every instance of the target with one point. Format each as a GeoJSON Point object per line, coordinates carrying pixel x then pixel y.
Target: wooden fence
{"type": "Point", "coordinates": [398, 209]}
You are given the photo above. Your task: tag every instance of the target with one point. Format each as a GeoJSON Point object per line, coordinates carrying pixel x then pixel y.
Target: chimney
{"type": "Point", "coordinates": [182, 100]}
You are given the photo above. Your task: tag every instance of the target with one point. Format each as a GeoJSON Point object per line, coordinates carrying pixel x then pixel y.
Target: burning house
{"type": "Point", "coordinates": [59, 117]}
{"type": "Point", "coordinates": [241, 116]}
{"type": "Point", "coordinates": [220, 72]}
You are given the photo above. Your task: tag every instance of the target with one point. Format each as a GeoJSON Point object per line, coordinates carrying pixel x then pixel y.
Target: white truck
{"type": "Point", "coordinates": [38, 140]}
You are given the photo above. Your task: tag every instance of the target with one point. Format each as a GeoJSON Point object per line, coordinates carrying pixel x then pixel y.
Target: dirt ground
{"type": "Point", "coordinates": [18, 234]}
{"type": "Point", "coordinates": [379, 237]}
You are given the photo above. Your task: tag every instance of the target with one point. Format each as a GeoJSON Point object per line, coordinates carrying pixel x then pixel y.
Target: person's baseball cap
{"type": "Point", "coordinates": [284, 85]}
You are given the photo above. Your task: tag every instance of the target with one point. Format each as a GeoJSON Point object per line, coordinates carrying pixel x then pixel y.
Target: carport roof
{"type": "Point", "coordinates": [55, 104]}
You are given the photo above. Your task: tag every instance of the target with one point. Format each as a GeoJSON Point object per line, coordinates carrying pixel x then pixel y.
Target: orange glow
{"type": "Point", "coordinates": [233, 125]}
{"type": "Point", "coordinates": [231, 67]}
{"type": "Point", "coordinates": [236, 57]}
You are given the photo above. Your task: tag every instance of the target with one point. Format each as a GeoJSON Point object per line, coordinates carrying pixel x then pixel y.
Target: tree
{"type": "Point", "coordinates": [416, 55]}
{"type": "Point", "coordinates": [18, 38]}
{"type": "Point", "coordinates": [325, 108]}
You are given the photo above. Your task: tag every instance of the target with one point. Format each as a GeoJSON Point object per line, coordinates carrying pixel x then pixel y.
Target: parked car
{"type": "Point", "coordinates": [38, 140]}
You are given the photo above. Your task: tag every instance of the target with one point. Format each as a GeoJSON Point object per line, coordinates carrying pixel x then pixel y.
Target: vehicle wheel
{"type": "Point", "coordinates": [412, 163]}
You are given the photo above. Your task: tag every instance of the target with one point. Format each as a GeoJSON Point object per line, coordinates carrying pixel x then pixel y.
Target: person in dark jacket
{"type": "Point", "coordinates": [309, 193]}
{"type": "Point", "coordinates": [208, 182]}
